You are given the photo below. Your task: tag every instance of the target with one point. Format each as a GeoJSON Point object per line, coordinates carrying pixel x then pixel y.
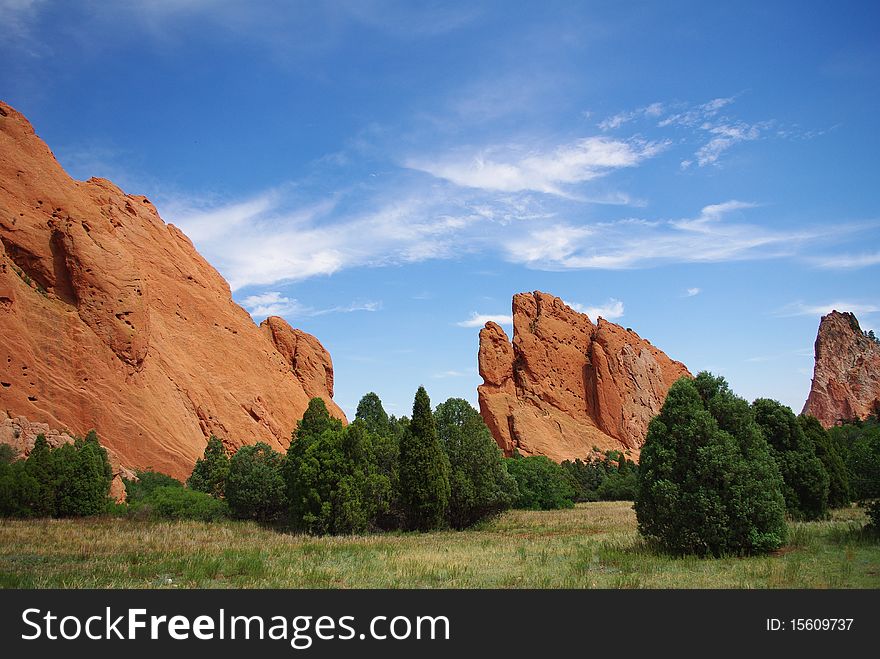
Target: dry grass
{"type": "Point", "coordinates": [592, 546]}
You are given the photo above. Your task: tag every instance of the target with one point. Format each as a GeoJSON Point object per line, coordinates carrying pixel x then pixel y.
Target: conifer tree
{"type": "Point", "coordinates": [424, 469]}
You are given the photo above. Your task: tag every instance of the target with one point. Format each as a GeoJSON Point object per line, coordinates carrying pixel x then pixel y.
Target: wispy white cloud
{"type": "Point", "coordinates": [631, 243]}
{"type": "Point", "coordinates": [273, 303]}
{"type": "Point", "coordinates": [479, 319]}
{"type": "Point", "coordinates": [455, 374]}
{"type": "Point", "coordinates": [611, 310]}
{"type": "Point", "coordinates": [698, 114]}
{"type": "Point", "coordinates": [724, 136]}
{"type": "Point", "coordinates": [513, 169]}
{"type": "Point", "coordinates": [17, 17]}
{"type": "Point", "coordinates": [800, 352]}
{"type": "Point", "coordinates": [691, 292]}
{"type": "Point", "coordinates": [847, 261]}
{"type": "Point", "coordinates": [805, 309]}
{"type": "Point", "coordinates": [617, 120]}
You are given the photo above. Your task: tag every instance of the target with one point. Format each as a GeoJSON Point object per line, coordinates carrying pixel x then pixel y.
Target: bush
{"type": "Point", "coordinates": [708, 483]}
{"type": "Point", "coordinates": [255, 485]}
{"type": "Point", "coordinates": [613, 477]}
{"type": "Point", "coordinates": [147, 481]}
{"type": "Point", "coordinates": [7, 454]}
{"type": "Point", "coordinates": [19, 491]}
{"type": "Point", "coordinates": [424, 470]}
{"type": "Point", "coordinates": [827, 451]}
{"type": "Point", "coordinates": [175, 502]}
{"type": "Point", "coordinates": [541, 483]}
{"type": "Point", "coordinates": [863, 458]}
{"type": "Point", "coordinates": [211, 471]}
{"type": "Point", "coordinates": [334, 481]}
{"type": "Point", "coordinates": [479, 483]}
{"type": "Point", "coordinates": [805, 479]}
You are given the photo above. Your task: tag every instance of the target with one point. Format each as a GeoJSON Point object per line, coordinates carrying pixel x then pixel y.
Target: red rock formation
{"type": "Point", "coordinates": [566, 385]}
{"type": "Point", "coordinates": [846, 376]}
{"type": "Point", "coordinates": [110, 319]}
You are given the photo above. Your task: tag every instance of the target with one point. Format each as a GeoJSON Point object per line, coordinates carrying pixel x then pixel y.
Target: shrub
{"type": "Point", "coordinates": [541, 483]}
{"type": "Point", "coordinates": [424, 469]}
{"type": "Point", "coordinates": [19, 491]}
{"type": "Point", "coordinates": [211, 471]}
{"type": "Point", "coordinates": [479, 483]}
{"type": "Point", "coordinates": [7, 454]}
{"type": "Point", "coordinates": [255, 485]}
{"type": "Point", "coordinates": [827, 451]}
{"type": "Point", "coordinates": [335, 483]}
{"type": "Point", "coordinates": [613, 477]}
{"type": "Point", "coordinates": [175, 502]}
{"type": "Point", "coordinates": [147, 481]}
{"type": "Point", "coordinates": [863, 458]}
{"type": "Point", "coordinates": [805, 481]}
{"type": "Point", "coordinates": [708, 484]}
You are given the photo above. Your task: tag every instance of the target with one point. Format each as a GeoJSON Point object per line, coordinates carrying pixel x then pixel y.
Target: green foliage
{"type": "Point", "coordinates": [424, 469]}
{"type": "Point", "coordinates": [613, 477]}
{"type": "Point", "coordinates": [708, 483]}
{"type": "Point", "coordinates": [41, 466]}
{"type": "Point", "coordinates": [315, 421]}
{"type": "Point", "coordinates": [827, 451]}
{"type": "Point", "coordinates": [541, 483]}
{"type": "Point", "coordinates": [479, 483]}
{"type": "Point", "coordinates": [255, 485]}
{"type": "Point", "coordinates": [211, 471]}
{"type": "Point", "coordinates": [337, 482]}
{"type": "Point", "coordinates": [371, 412]}
{"type": "Point", "coordinates": [7, 454]}
{"type": "Point", "coordinates": [19, 491]}
{"type": "Point", "coordinates": [72, 480]}
{"type": "Point", "coordinates": [177, 502]}
{"type": "Point", "coordinates": [862, 439]}
{"type": "Point", "coordinates": [805, 479]}
{"type": "Point", "coordinates": [147, 481]}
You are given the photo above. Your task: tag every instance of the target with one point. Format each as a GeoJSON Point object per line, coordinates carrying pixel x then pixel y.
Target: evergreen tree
{"type": "Point", "coordinates": [371, 412]}
{"type": "Point", "coordinates": [708, 484]}
{"type": "Point", "coordinates": [255, 485]}
{"type": "Point", "coordinates": [424, 469]}
{"type": "Point", "coordinates": [7, 454]}
{"type": "Point", "coordinates": [40, 466]}
{"type": "Point", "coordinates": [211, 471]}
{"type": "Point", "coordinates": [805, 479]}
{"type": "Point", "coordinates": [315, 421]}
{"type": "Point", "coordinates": [479, 483]}
{"type": "Point", "coordinates": [827, 451]}
{"type": "Point", "coordinates": [541, 483]}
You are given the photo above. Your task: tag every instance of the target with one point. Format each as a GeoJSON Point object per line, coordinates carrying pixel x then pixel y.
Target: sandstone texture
{"type": "Point", "coordinates": [846, 376]}
{"type": "Point", "coordinates": [565, 385]}
{"type": "Point", "coordinates": [111, 320]}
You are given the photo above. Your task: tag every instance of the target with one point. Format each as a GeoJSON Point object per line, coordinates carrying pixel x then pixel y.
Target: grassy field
{"type": "Point", "coordinates": [592, 546]}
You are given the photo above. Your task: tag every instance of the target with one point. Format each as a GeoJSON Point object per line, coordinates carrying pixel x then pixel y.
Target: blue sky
{"type": "Point", "coordinates": [386, 175]}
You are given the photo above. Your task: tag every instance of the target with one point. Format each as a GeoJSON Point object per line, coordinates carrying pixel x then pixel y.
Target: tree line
{"type": "Point", "coordinates": [717, 475]}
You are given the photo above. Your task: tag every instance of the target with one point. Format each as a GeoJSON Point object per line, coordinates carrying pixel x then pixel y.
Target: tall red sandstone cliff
{"type": "Point", "coordinates": [110, 319]}
{"type": "Point", "coordinates": [846, 376]}
{"type": "Point", "coordinates": [566, 385]}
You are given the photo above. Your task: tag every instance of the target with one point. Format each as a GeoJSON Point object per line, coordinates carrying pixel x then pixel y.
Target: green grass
{"type": "Point", "coordinates": [595, 545]}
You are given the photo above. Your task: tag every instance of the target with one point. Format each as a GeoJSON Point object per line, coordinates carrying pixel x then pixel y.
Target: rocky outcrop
{"type": "Point", "coordinates": [846, 376]}
{"type": "Point", "coordinates": [21, 435]}
{"type": "Point", "coordinates": [566, 386]}
{"type": "Point", "coordinates": [110, 319]}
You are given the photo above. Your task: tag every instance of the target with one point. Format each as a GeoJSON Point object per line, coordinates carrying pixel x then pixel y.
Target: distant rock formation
{"type": "Point", "coordinates": [846, 376]}
{"type": "Point", "coordinates": [110, 319]}
{"type": "Point", "coordinates": [566, 386]}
